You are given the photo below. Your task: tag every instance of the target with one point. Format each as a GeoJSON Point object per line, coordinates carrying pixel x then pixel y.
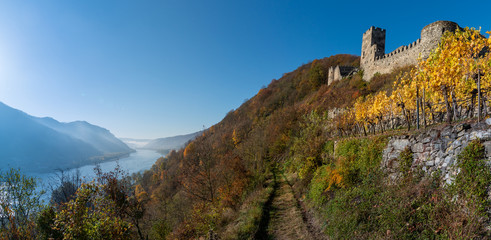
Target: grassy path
{"type": "Point", "coordinates": [285, 219]}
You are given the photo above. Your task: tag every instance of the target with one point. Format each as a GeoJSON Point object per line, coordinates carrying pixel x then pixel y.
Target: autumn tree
{"type": "Point", "coordinates": [19, 202]}
{"type": "Point", "coordinates": [199, 177]}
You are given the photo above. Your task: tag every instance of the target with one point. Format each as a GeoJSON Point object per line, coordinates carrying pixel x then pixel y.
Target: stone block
{"type": "Point", "coordinates": [445, 164]}
{"type": "Point", "coordinates": [417, 148]}
{"type": "Point", "coordinates": [456, 144]}
{"type": "Point", "coordinates": [483, 135]}
{"type": "Point", "coordinates": [461, 133]}
{"type": "Point", "coordinates": [459, 128]}
{"type": "Point", "coordinates": [393, 155]}
{"type": "Point", "coordinates": [434, 133]}
{"type": "Point", "coordinates": [457, 150]}
{"type": "Point", "coordinates": [487, 146]}
{"type": "Point", "coordinates": [448, 161]}
{"type": "Point", "coordinates": [400, 144]}
{"type": "Point", "coordinates": [436, 147]}
{"type": "Point", "coordinates": [447, 131]}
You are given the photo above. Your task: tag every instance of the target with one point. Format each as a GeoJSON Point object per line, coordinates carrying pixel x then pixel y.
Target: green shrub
{"type": "Point", "coordinates": [405, 161]}
{"type": "Point", "coordinates": [325, 179]}
{"type": "Point", "coordinates": [307, 149]}
{"type": "Point", "coordinates": [358, 158]}
{"type": "Point", "coordinates": [474, 177]}
{"type": "Point", "coordinates": [328, 151]}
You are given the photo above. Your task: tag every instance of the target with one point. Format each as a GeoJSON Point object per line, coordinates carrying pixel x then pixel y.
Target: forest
{"type": "Point", "coordinates": [326, 141]}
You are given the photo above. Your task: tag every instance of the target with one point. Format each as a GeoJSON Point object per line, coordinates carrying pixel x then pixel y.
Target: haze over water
{"type": "Point", "coordinates": [138, 161]}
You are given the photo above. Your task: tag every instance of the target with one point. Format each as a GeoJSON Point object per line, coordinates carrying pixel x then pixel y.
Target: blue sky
{"type": "Point", "coordinates": [148, 69]}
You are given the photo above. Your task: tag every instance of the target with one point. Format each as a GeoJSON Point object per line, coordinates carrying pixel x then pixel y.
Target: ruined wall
{"type": "Point", "coordinates": [374, 60]}
{"type": "Point", "coordinates": [339, 72]}
{"type": "Point", "coordinates": [330, 76]}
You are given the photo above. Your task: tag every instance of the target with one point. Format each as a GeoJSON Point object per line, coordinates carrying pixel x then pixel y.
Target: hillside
{"type": "Point", "coordinates": [44, 144]}
{"type": "Point", "coordinates": [327, 145]}
{"type": "Point", "coordinates": [240, 153]}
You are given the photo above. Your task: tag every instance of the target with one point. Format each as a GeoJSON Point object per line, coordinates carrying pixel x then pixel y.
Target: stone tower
{"type": "Point", "coordinates": [432, 33]}
{"type": "Point", "coordinates": [373, 45]}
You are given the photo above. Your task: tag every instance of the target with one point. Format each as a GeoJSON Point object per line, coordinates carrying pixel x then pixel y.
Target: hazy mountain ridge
{"type": "Point", "coordinates": [170, 143]}
{"type": "Point", "coordinates": [161, 144]}
{"type": "Point", "coordinates": [99, 137]}
{"type": "Point", "coordinates": [43, 144]}
{"type": "Point", "coordinates": [135, 143]}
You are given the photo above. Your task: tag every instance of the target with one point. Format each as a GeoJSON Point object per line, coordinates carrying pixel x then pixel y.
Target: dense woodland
{"type": "Point", "coordinates": [218, 185]}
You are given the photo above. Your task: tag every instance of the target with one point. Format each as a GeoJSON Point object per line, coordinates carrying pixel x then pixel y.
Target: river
{"type": "Point", "coordinates": [138, 161]}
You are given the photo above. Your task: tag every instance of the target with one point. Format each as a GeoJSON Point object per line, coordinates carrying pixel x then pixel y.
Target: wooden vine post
{"type": "Point", "coordinates": [478, 95]}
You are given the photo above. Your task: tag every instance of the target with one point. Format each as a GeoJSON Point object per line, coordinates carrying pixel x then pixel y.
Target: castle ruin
{"type": "Point", "coordinates": [375, 60]}
{"type": "Point", "coordinates": [373, 57]}
{"type": "Point", "coordinates": [339, 72]}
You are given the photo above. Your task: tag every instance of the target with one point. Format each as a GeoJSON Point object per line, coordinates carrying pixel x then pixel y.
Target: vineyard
{"type": "Point", "coordinates": [452, 84]}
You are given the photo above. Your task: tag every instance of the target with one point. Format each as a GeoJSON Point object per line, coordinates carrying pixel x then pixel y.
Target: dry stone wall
{"type": "Point", "coordinates": [436, 149]}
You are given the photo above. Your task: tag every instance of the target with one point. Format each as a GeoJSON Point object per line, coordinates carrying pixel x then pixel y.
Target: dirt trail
{"type": "Point", "coordinates": [285, 217]}
{"type": "Point", "coordinates": [286, 221]}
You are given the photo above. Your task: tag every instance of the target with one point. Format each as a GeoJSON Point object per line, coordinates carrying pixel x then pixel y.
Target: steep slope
{"type": "Point", "coordinates": [30, 144]}
{"type": "Point", "coordinates": [210, 177]}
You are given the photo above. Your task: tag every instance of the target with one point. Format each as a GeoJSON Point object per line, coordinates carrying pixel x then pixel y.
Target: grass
{"type": "Point", "coordinates": [365, 206]}
{"type": "Point", "coordinates": [251, 214]}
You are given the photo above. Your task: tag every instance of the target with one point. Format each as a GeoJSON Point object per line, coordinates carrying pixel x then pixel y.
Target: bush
{"type": "Point", "coordinates": [358, 158]}
{"type": "Point", "coordinates": [20, 203]}
{"type": "Point", "coordinates": [474, 177]}
{"type": "Point", "coordinates": [405, 161]}
{"type": "Point", "coordinates": [324, 180]}
{"type": "Point", "coordinates": [306, 153]}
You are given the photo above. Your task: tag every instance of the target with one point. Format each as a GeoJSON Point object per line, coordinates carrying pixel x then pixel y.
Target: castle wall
{"type": "Point", "coordinates": [402, 56]}
{"type": "Point", "coordinates": [373, 59]}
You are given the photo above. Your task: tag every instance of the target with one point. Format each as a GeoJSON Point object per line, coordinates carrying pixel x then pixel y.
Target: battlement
{"type": "Point", "coordinates": [400, 49]}
{"type": "Point", "coordinates": [372, 28]}
{"type": "Point", "coordinates": [374, 59]}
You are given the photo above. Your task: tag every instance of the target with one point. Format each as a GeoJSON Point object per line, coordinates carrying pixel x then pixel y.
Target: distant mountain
{"type": "Point", "coordinates": [43, 144]}
{"type": "Point", "coordinates": [169, 143]}
{"type": "Point", "coordinates": [135, 143]}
